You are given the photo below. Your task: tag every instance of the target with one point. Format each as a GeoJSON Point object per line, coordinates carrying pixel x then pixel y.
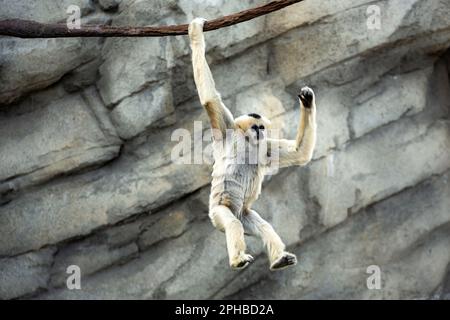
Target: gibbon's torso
{"type": "Point", "coordinates": [237, 174]}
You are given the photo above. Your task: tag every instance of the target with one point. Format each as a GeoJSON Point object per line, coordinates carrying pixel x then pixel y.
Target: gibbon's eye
{"type": "Point", "coordinates": [261, 127]}
{"type": "Point", "coordinates": [255, 127]}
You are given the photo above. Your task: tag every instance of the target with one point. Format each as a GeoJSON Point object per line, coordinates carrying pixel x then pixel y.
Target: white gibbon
{"type": "Point", "coordinates": [236, 185]}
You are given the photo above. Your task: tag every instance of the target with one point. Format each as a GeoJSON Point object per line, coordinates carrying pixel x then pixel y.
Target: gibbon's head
{"type": "Point", "coordinates": [254, 127]}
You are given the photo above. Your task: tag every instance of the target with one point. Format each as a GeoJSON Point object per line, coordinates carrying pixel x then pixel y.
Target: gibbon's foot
{"type": "Point", "coordinates": [241, 262]}
{"type": "Point", "coordinates": [306, 96]}
{"type": "Point", "coordinates": [287, 259]}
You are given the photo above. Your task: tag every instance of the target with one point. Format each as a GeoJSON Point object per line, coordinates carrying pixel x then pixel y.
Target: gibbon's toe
{"type": "Point", "coordinates": [286, 260]}
{"type": "Point", "coordinates": [242, 262]}
{"type": "Point", "coordinates": [306, 96]}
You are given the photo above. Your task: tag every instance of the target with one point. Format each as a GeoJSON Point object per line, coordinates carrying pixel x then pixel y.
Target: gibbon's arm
{"type": "Point", "coordinates": [300, 150]}
{"type": "Point", "coordinates": [219, 115]}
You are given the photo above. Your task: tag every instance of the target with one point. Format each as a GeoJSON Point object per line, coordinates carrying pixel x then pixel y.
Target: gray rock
{"type": "Point", "coordinates": [378, 166]}
{"type": "Point", "coordinates": [81, 77]}
{"type": "Point", "coordinates": [150, 108]}
{"type": "Point", "coordinates": [131, 185]}
{"type": "Point", "coordinates": [136, 222]}
{"type": "Point", "coordinates": [142, 278]}
{"type": "Point", "coordinates": [445, 288]}
{"type": "Point", "coordinates": [251, 69]}
{"type": "Point", "coordinates": [167, 225]}
{"type": "Point", "coordinates": [43, 10]}
{"type": "Point", "coordinates": [91, 201]}
{"type": "Point", "coordinates": [171, 224]}
{"type": "Point", "coordinates": [20, 72]}
{"type": "Point", "coordinates": [90, 257]}
{"type": "Point", "coordinates": [130, 65]}
{"type": "Point", "coordinates": [101, 113]}
{"type": "Point", "coordinates": [119, 244]}
{"type": "Point", "coordinates": [406, 236]}
{"type": "Point", "coordinates": [266, 98]}
{"type": "Point", "coordinates": [25, 274]}
{"type": "Point", "coordinates": [45, 152]}
{"type": "Point", "coordinates": [109, 5]}
{"type": "Point", "coordinates": [336, 39]}
{"type": "Point", "coordinates": [142, 13]}
{"type": "Point", "coordinates": [395, 96]}
{"type": "Point", "coordinates": [301, 15]}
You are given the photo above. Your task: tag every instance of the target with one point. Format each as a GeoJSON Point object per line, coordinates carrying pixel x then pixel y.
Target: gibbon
{"type": "Point", "coordinates": [237, 184]}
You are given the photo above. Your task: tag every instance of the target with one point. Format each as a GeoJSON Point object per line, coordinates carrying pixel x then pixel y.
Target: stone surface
{"type": "Point", "coordinates": [81, 77]}
{"type": "Point", "coordinates": [91, 201]}
{"type": "Point", "coordinates": [145, 62]}
{"type": "Point", "coordinates": [25, 274]}
{"type": "Point", "coordinates": [156, 266]}
{"type": "Point", "coordinates": [238, 37]}
{"type": "Point", "coordinates": [348, 180]}
{"type": "Point", "coordinates": [43, 10]}
{"type": "Point", "coordinates": [60, 136]}
{"type": "Point", "coordinates": [89, 257]}
{"type": "Point", "coordinates": [346, 35]}
{"type": "Point", "coordinates": [407, 236]}
{"type": "Point", "coordinates": [131, 64]}
{"type": "Point", "coordinates": [33, 64]}
{"type": "Point", "coordinates": [109, 5]}
{"type": "Point", "coordinates": [251, 69]}
{"type": "Point", "coordinates": [395, 96]}
{"type": "Point", "coordinates": [88, 146]}
{"type": "Point", "coordinates": [152, 107]}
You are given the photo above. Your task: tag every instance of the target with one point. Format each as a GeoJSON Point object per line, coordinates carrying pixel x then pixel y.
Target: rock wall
{"type": "Point", "coordinates": [86, 176]}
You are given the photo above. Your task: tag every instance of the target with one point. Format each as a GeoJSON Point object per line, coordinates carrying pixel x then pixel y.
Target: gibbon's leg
{"type": "Point", "coordinates": [223, 219]}
{"type": "Point", "coordinates": [279, 259]}
{"type": "Point", "coordinates": [219, 115]}
{"type": "Point", "coordinates": [300, 150]}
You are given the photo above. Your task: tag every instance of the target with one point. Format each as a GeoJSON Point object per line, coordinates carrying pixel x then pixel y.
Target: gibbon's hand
{"type": "Point", "coordinates": [196, 28]}
{"type": "Point", "coordinates": [306, 96]}
{"type": "Point", "coordinates": [199, 20]}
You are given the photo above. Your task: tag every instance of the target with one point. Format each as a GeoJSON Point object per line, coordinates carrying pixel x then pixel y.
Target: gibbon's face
{"type": "Point", "coordinates": [253, 126]}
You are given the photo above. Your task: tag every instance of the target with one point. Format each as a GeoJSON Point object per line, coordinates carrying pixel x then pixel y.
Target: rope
{"type": "Point", "coordinates": [32, 29]}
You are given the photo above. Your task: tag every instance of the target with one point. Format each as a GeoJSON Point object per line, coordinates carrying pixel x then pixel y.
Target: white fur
{"type": "Point", "coordinates": [235, 187]}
